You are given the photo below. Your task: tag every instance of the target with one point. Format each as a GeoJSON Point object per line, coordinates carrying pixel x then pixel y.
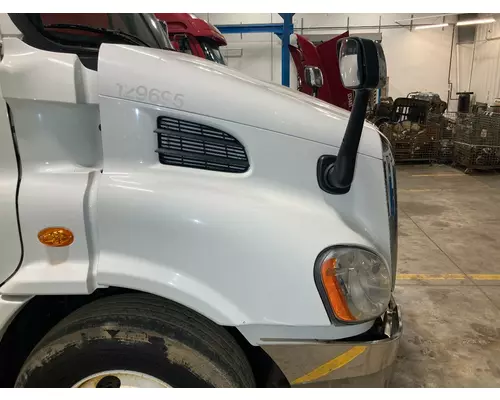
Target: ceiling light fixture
{"type": "Point", "coordinates": [431, 26]}
{"type": "Point", "coordinates": [476, 21]}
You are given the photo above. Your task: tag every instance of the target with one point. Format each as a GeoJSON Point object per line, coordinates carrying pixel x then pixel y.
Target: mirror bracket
{"type": "Point", "coordinates": [365, 71]}
{"type": "Point", "coordinates": [335, 175]}
{"type": "Point", "coordinates": [325, 164]}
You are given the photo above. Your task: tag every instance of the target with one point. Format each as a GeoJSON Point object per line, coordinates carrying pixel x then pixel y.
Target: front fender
{"type": "Point", "coordinates": [120, 270]}
{"type": "Point", "coordinates": [238, 248]}
{"type": "Point", "coordinates": [233, 249]}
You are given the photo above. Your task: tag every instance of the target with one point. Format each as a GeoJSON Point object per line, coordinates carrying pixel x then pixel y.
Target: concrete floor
{"type": "Point", "coordinates": [448, 278]}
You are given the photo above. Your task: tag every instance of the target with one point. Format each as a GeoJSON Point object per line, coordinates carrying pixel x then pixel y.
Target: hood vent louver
{"type": "Point", "coordinates": [192, 145]}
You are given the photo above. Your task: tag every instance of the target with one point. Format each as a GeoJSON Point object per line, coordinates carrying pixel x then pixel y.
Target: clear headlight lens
{"type": "Point", "coordinates": [355, 283]}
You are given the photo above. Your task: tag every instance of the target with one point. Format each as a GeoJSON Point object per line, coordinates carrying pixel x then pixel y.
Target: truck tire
{"type": "Point", "coordinates": [136, 340]}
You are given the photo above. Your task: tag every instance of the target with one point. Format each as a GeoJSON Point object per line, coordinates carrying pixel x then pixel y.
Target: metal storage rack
{"type": "Point", "coordinates": [413, 132]}
{"type": "Point", "coordinates": [477, 140]}
{"type": "Point", "coordinates": [412, 142]}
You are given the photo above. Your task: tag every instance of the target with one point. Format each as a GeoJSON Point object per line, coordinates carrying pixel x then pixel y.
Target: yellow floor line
{"type": "Point", "coordinates": [429, 277]}
{"type": "Point", "coordinates": [485, 277]}
{"type": "Point", "coordinates": [434, 277]}
{"type": "Point", "coordinates": [331, 365]}
{"type": "Point", "coordinates": [438, 175]}
{"type": "Point", "coordinates": [420, 190]}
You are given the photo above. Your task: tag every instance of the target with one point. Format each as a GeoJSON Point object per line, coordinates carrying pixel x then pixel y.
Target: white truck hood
{"type": "Point", "coordinates": [211, 89]}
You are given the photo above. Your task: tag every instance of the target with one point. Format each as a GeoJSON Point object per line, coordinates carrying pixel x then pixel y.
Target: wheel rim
{"type": "Point", "coordinates": [121, 379]}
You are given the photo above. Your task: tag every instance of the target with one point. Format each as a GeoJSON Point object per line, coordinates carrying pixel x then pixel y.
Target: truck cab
{"type": "Point", "coordinates": [159, 231]}
{"type": "Point", "coordinates": [193, 35]}
{"type": "Point", "coordinates": [322, 56]}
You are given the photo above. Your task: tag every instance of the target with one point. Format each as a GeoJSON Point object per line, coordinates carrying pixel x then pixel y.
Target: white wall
{"type": "Point", "coordinates": [417, 60]}
{"type": "Point", "coordinates": [261, 52]}
{"type": "Point", "coordinates": [485, 82]}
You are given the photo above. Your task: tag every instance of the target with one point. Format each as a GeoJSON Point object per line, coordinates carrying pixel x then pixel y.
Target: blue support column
{"type": "Point", "coordinates": [285, 53]}
{"type": "Point", "coordinates": [251, 28]}
{"type": "Point", "coordinates": [283, 31]}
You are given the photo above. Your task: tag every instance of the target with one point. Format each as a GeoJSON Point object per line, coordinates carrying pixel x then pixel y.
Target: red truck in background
{"type": "Point", "coordinates": [324, 56]}
{"type": "Point", "coordinates": [193, 35]}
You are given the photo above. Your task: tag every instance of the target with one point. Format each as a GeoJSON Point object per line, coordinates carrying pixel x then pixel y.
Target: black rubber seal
{"type": "Point", "coordinates": [325, 163]}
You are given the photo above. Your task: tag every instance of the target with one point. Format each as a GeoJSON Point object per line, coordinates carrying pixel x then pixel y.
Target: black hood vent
{"type": "Point", "coordinates": [188, 144]}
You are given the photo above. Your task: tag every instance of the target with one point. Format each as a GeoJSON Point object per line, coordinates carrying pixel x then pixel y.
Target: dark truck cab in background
{"type": "Point", "coordinates": [323, 56]}
{"type": "Point", "coordinates": [192, 35]}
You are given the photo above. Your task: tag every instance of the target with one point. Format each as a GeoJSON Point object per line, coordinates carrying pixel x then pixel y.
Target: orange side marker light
{"type": "Point", "coordinates": [56, 237]}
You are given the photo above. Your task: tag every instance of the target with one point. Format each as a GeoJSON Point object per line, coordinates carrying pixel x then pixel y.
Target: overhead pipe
{"type": "Point", "coordinates": [426, 17]}
{"type": "Point", "coordinates": [362, 27]}
{"type": "Point", "coordinates": [472, 61]}
{"type": "Point", "coordinates": [450, 85]}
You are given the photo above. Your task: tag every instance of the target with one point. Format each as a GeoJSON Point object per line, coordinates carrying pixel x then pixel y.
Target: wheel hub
{"type": "Point", "coordinates": [121, 379]}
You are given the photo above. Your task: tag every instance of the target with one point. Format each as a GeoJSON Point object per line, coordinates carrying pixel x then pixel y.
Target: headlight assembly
{"type": "Point", "coordinates": [354, 283]}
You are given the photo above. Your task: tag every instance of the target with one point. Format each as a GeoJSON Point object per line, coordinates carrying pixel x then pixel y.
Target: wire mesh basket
{"type": "Point", "coordinates": [477, 140]}
{"type": "Point", "coordinates": [473, 156]}
{"type": "Point", "coordinates": [482, 128]}
{"type": "Point", "coordinates": [409, 109]}
{"type": "Point", "coordinates": [417, 140]}
{"type": "Point", "coordinates": [446, 126]}
{"type": "Point", "coordinates": [445, 151]}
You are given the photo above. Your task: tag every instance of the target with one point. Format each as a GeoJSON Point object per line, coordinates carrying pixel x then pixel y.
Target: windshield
{"type": "Point", "coordinates": [145, 27]}
{"type": "Point", "coordinates": [212, 51]}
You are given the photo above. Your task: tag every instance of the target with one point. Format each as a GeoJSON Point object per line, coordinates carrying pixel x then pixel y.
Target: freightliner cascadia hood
{"type": "Point", "coordinates": [203, 87]}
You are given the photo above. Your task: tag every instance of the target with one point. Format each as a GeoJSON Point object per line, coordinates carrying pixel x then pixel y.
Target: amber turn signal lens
{"type": "Point", "coordinates": [56, 237]}
{"type": "Point", "coordinates": [334, 291]}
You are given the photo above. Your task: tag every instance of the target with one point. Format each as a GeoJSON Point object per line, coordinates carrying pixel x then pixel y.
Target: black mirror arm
{"type": "Point", "coordinates": [340, 174]}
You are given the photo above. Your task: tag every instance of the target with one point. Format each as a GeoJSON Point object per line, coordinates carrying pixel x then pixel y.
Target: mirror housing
{"type": "Point", "coordinates": [362, 63]}
{"type": "Point", "coordinates": [179, 36]}
{"type": "Point", "coordinates": [362, 68]}
{"type": "Point", "coordinates": [314, 78]}
{"type": "Point", "coordinates": [164, 25]}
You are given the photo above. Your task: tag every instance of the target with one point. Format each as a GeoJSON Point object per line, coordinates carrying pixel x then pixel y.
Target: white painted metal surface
{"type": "Point", "coordinates": [29, 73]}
{"type": "Point", "coordinates": [10, 244]}
{"type": "Point", "coordinates": [239, 249]}
{"type": "Point", "coordinates": [9, 307]}
{"type": "Point", "coordinates": [7, 27]}
{"type": "Point", "coordinates": [235, 248]}
{"type": "Point", "coordinates": [60, 148]}
{"type": "Point", "coordinates": [202, 87]}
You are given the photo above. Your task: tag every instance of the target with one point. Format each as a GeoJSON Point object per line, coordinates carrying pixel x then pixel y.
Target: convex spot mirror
{"type": "Point", "coordinates": [361, 63]}
{"type": "Point", "coordinates": [164, 25]}
{"type": "Point", "coordinates": [313, 77]}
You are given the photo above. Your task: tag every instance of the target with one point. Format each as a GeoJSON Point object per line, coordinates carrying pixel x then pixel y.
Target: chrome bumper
{"type": "Point", "coordinates": [333, 364]}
